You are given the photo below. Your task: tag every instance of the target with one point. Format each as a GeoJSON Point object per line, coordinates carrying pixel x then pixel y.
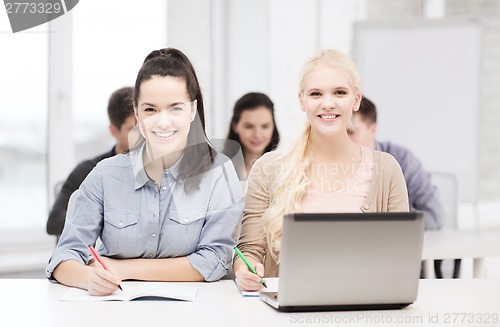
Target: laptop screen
{"type": "Point", "coordinates": [350, 258]}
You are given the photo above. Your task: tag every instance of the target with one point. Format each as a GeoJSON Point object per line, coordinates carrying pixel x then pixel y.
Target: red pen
{"type": "Point", "coordinates": [99, 259]}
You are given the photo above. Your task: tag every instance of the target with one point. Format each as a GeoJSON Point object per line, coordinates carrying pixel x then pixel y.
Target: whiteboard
{"type": "Point", "coordinates": [424, 78]}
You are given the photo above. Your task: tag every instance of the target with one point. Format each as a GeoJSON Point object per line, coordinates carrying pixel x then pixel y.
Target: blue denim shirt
{"type": "Point", "coordinates": [121, 205]}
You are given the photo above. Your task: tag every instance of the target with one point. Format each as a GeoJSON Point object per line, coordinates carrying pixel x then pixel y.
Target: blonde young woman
{"type": "Point", "coordinates": [324, 171]}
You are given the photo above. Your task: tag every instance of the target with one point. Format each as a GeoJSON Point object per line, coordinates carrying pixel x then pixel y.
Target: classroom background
{"type": "Point", "coordinates": [56, 80]}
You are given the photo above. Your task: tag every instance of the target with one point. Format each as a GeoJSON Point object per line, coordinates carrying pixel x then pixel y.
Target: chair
{"type": "Point", "coordinates": [447, 191]}
{"type": "Point", "coordinates": [71, 203]}
{"type": "Point", "coordinates": [70, 208]}
{"type": "Point", "coordinates": [58, 187]}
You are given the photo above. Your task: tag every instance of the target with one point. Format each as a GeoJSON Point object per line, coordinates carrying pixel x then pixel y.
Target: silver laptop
{"type": "Point", "coordinates": [348, 261]}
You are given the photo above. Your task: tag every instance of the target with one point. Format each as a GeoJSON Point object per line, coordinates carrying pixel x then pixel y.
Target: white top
{"type": "Point", "coordinates": [26, 302]}
{"type": "Point", "coordinates": [451, 244]}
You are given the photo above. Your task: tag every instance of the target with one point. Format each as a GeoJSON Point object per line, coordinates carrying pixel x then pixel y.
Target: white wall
{"type": "Point", "coordinates": [488, 12]}
{"type": "Point", "coordinates": [267, 43]}
{"type": "Point", "coordinates": [248, 42]}
{"type": "Point", "coordinates": [424, 78]}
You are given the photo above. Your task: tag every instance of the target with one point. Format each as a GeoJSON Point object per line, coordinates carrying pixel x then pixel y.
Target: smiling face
{"type": "Point", "coordinates": [255, 129]}
{"type": "Point", "coordinates": [164, 114]}
{"type": "Point", "coordinates": [328, 99]}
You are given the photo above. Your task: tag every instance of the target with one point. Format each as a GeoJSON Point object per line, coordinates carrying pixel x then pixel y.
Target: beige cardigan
{"type": "Point", "coordinates": [387, 193]}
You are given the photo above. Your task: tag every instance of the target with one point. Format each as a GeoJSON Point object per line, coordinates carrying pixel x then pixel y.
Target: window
{"type": "Point", "coordinates": [110, 41]}
{"type": "Point", "coordinates": [23, 126]}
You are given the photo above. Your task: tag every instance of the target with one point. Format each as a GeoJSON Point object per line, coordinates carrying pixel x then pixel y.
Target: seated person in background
{"type": "Point", "coordinates": [421, 193]}
{"type": "Point", "coordinates": [165, 211]}
{"type": "Point", "coordinates": [323, 171]}
{"type": "Point", "coordinates": [253, 126]}
{"type": "Point", "coordinates": [122, 120]}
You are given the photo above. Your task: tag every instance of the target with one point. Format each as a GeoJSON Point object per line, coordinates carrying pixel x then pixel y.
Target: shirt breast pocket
{"type": "Point", "coordinates": [120, 233]}
{"type": "Point", "coordinates": [184, 229]}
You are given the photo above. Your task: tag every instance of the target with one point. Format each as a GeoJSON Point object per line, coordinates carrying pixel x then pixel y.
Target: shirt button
{"type": "Point", "coordinates": [366, 206]}
{"type": "Point", "coordinates": [186, 220]}
{"type": "Point", "coordinates": [164, 188]}
{"type": "Point", "coordinates": [154, 235]}
{"type": "Point", "coordinates": [120, 224]}
{"type": "Point", "coordinates": [150, 255]}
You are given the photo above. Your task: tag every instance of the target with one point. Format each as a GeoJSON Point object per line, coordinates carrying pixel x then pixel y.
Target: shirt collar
{"type": "Point", "coordinates": [141, 177]}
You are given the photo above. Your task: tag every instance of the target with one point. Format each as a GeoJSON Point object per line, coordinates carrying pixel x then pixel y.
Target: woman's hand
{"type": "Point", "coordinates": [100, 281]}
{"type": "Point", "coordinates": [248, 281]}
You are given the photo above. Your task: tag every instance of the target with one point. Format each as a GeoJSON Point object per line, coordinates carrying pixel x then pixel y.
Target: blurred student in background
{"type": "Point", "coordinates": [254, 128]}
{"type": "Point", "coordinates": [122, 120]}
{"type": "Point", "coordinates": [422, 194]}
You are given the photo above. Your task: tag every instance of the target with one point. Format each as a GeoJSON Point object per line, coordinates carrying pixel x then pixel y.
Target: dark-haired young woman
{"type": "Point", "coordinates": [254, 128]}
{"type": "Point", "coordinates": [165, 211]}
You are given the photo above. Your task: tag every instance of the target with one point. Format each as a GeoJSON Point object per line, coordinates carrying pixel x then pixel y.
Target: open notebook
{"type": "Point", "coordinates": [137, 290]}
{"type": "Point", "coordinates": [272, 286]}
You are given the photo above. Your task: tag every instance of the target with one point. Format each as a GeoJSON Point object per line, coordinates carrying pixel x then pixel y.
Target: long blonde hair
{"type": "Point", "coordinates": [292, 181]}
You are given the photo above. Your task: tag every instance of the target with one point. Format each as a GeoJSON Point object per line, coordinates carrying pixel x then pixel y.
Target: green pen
{"type": "Point", "coordinates": [252, 269]}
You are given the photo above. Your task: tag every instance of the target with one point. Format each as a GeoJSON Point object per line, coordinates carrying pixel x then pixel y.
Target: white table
{"type": "Point", "coordinates": [440, 302]}
{"type": "Point", "coordinates": [458, 244]}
